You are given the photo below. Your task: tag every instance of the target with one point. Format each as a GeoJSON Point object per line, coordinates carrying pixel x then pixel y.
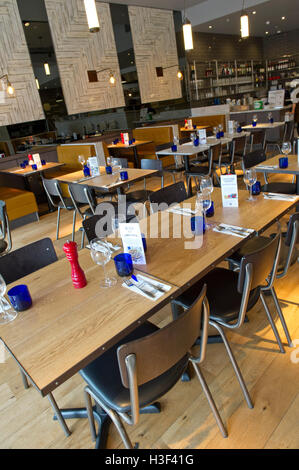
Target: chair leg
{"type": "Point", "coordinates": [74, 225]}
{"type": "Point", "coordinates": [282, 350]}
{"type": "Point", "coordinates": [234, 364]}
{"type": "Point", "coordinates": [91, 422]}
{"type": "Point", "coordinates": [210, 399]}
{"type": "Point", "coordinates": [24, 379]}
{"type": "Point", "coordinates": [58, 222]}
{"type": "Point", "coordinates": [173, 177]}
{"type": "Point", "coordinates": [281, 317]}
{"type": "Point", "coordinates": [113, 416]}
{"type": "Point", "coordinates": [83, 234]}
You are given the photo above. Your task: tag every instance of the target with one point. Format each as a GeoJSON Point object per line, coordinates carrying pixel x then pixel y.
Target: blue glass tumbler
{"type": "Point", "coordinates": [198, 226]}
{"type": "Point", "coordinates": [124, 264]}
{"type": "Point", "coordinates": [283, 162]}
{"type": "Point", "coordinates": [211, 211]}
{"type": "Point", "coordinates": [256, 188]}
{"type": "Point", "coordinates": [124, 175]}
{"type": "Point", "coordinates": [20, 298]}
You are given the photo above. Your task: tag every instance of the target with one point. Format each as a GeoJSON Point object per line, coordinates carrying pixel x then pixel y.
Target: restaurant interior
{"type": "Point", "coordinates": [149, 224]}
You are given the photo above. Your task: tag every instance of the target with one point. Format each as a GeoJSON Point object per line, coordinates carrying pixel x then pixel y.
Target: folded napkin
{"type": "Point", "coordinates": [147, 287]}
{"type": "Point", "coordinates": [267, 167]}
{"type": "Point", "coordinates": [112, 247]}
{"type": "Point", "coordinates": [182, 211]}
{"type": "Point", "coordinates": [233, 230]}
{"type": "Point", "coordinates": [281, 197]}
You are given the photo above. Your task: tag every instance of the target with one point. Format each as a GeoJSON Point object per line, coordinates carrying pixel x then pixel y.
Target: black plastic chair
{"type": "Point", "coordinates": [195, 172]}
{"type": "Point", "coordinates": [56, 199]}
{"type": "Point", "coordinates": [231, 294]}
{"type": "Point", "coordinates": [142, 195]}
{"type": "Point", "coordinates": [93, 231]}
{"type": "Point", "coordinates": [255, 158]}
{"type": "Point", "coordinates": [160, 200]}
{"type": "Point", "coordinates": [83, 195]}
{"type": "Point", "coordinates": [144, 366]}
{"type": "Point", "coordinates": [176, 167]}
{"type": "Point", "coordinates": [257, 140]}
{"type": "Point", "coordinates": [5, 235]}
{"type": "Point", "coordinates": [288, 136]}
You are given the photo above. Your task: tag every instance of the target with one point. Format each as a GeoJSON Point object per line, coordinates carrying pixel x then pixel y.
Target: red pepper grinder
{"type": "Point", "coordinates": [78, 276]}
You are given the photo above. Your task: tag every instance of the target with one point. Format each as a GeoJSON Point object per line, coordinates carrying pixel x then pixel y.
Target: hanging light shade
{"type": "Point", "coordinates": [92, 16]}
{"type": "Point", "coordinates": [47, 68]}
{"type": "Point", "coordinates": [187, 31]}
{"type": "Point", "coordinates": [244, 26]}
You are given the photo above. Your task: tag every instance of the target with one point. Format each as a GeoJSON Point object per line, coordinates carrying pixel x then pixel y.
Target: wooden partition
{"type": "Point", "coordinates": [158, 136]}
{"type": "Point", "coordinates": [210, 121]}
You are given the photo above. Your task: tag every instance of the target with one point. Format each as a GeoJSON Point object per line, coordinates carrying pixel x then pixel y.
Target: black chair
{"type": "Point", "coordinates": [24, 261]}
{"type": "Point", "coordinates": [257, 140]}
{"type": "Point", "coordinates": [142, 195]}
{"type": "Point", "coordinates": [287, 136]}
{"type": "Point", "coordinates": [237, 150]}
{"type": "Point", "coordinates": [255, 158]}
{"type": "Point", "coordinates": [144, 366]}
{"type": "Point", "coordinates": [175, 193]}
{"type": "Point", "coordinates": [195, 172]}
{"type": "Point", "coordinates": [5, 235]}
{"type": "Point", "coordinates": [56, 199]}
{"type": "Point", "coordinates": [94, 229]}
{"type": "Point", "coordinates": [231, 294]}
{"type": "Point", "coordinates": [177, 167]}
{"type": "Point", "coordinates": [123, 162]}
{"type": "Point", "coordinates": [288, 253]}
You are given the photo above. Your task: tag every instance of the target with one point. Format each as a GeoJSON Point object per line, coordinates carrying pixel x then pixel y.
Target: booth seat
{"type": "Point", "coordinates": [21, 206]}
{"type": "Point", "coordinates": [158, 136]}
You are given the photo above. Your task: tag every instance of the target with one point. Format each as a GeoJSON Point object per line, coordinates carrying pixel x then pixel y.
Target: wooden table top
{"type": "Point", "coordinates": [168, 259]}
{"type": "Point", "coordinates": [124, 146]}
{"type": "Point", "coordinates": [101, 181]}
{"type": "Point", "coordinates": [189, 149]}
{"type": "Point", "coordinates": [183, 129]}
{"type": "Point", "coordinates": [66, 328]}
{"type": "Point", "coordinates": [28, 170]}
{"type": "Point", "coordinates": [292, 169]}
{"type": "Point", "coordinates": [264, 125]}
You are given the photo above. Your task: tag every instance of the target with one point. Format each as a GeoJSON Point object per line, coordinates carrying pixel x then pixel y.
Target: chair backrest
{"type": "Point", "coordinates": [262, 263]}
{"type": "Point", "coordinates": [240, 145]}
{"type": "Point", "coordinates": [258, 138]}
{"type": "Point", "coordinates": [288, 132]}
{"type": "Point", "coordinates": [5, 230]}
{"type": "Point", "coordinates": [253, 158]}
{"type": "Point", "coordinates": [82, 194]}
{"type": "Point", "coordinates": [95, 229]}
{"type": "Point", "coordinates": [123, 162]}
{"type": "Point", "coordinates": [150, 164]}
{"type": "Point", "coordinates": [292, 225]}
{"type": "Point", "coordinates": [174, 193]}
{"type": "Point", "coordinates": [157, 353]}
{"type": "Point", "coordinates": [27, 260]}
{"type": "Point", "coordinates": [52, 188]}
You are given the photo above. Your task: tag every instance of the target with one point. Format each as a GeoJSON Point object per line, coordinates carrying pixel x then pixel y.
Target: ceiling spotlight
{"type": "Point", "coordinates": [268, 22]}
{"type": "Point", "coordinates": [283, 18]}
{"type": "Point", "coordinates": [27, 24]}
{"type": "Point", "coordinates": [278, 32]}
{"type": "Point", "coordinates": [254, 12]}
{"type": "Point", "coordinates": [210, 26]}
{"type": "Point", "coordinates": [267, 32]}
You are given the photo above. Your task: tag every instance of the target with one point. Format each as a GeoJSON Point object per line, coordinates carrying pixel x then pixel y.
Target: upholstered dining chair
{"type": "Point", "coordinates": [5, 235]}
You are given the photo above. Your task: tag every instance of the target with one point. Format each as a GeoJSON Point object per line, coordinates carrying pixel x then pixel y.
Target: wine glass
{"type": "Point", "coordinates": [81, 159]}
{"type": "Point", "coordinates": [203, 204]}
{"type": "Point", "coordinates": [7, 313]}
{"type": "Point", "coordinates": [116, 167]}
{"type": "Point", "coordinates": [101, 255]}
{"type": "Point", "coordinates": [206, 183]}
{"type": "Point", "coordinates": [249, 179]}
{"type": "Point", "coordinates": [286, 148]}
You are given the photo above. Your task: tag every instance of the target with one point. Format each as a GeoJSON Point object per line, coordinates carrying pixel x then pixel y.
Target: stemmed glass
{"type": "Point", "coordinates": [7, 313]}
{"type": "Point", "coordinates": [206, 183]}
{"type": "Point", "coordinates": [286, 148]}
{"type": "Point", "coordinates": [81, 160]}
{"type": "Point", "coordinates": [101, 255]}
{"type": "Point", "coordinates": [116, 167]}
{"type": "Point", "coordinates": [203, 204]}
{"type": "Point", "coordinates": [249, 179]}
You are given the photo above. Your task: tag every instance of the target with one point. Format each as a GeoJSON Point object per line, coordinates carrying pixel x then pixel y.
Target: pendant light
{"type": "Point", "coordinates": [244, 20]}
{"type": "Point", "coordinates": [47, 68]}
{"type": "Point", "coordinates": [9, 88]}
{"type": "Point", "coordinates": [187, 31]}
{"type": "Point", "coordinates": [92, 16]}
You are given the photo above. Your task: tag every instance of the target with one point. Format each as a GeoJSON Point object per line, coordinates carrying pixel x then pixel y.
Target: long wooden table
{"type": "Point", "coordinates": [293, 167]}
{"type": "Point", "coordinates": [66, 329]}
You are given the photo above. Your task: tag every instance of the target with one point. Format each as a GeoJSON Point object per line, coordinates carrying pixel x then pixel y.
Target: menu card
{"type": "Point", "coordinates": [276, 98]}
{"type": "Point", "coordinates": [37, 160]}
{"type": "Point", "coordinates": [124, 138]}
{"type": "Point", "coordinates": [132, 242]}
{"type": "Point", "coordinates": [94, 166]}
{"type": "Point", "coordinates": [231, 127]}
{"type": "Point", "coordinates": [229, 190]}
{"type": "Point", "coordinates": [190, 125]}
{"type": "Point", "coordinates": [202, 136]}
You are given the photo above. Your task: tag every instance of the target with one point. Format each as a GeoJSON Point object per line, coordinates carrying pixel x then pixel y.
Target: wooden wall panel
{"type": "Point", "coordinates": [15, 61]}
{"type": "Point", "coordinates": [78, 50]}
{"type": "Point", "coordinates": [155, 46]}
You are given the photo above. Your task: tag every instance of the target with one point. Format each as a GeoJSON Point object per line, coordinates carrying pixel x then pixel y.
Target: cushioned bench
{"type": "Point", "coordinates": [20, 205]}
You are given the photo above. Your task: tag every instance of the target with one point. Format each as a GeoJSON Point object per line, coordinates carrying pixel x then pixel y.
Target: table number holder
{"type": "Point", "coordinates": [78, 276]}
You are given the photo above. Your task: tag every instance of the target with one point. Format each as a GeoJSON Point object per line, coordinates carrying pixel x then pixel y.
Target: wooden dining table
{"type": "Point", "coordinates": [67, 328]}
{"type": "Point", "coordinates": [292, 169]}
{"type": "Point", "coordinates": [134, 146]}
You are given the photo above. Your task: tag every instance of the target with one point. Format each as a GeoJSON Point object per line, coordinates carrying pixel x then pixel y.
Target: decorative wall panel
{"type": "Point", "coordinates": [15, 61]}
{"type": "Point", "coordinates": [78, 50]}
{"type": "Point", "coordinates": [155, 46]}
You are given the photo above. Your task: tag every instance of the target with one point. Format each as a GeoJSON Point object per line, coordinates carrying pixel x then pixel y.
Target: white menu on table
{"type": "Point", "coordinates": [37, 160]}
{"type": "Point", "coordinates": [229, 190]}
{"type": "Point", "coordinates": [132, 242]}
{"type": "Point", "coordinates": [231, 127]}
{"type": "Point", "coordinates": [202, 136]}
{"type": "Point", "coordinates": [94, 166]}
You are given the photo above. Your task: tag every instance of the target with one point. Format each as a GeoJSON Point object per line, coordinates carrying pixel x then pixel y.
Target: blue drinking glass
{"type": "Point", "coordinates": [218, 135]}
{"type": "Point", "coordinates": [20, 298]}
{"type": "Point", "coordinates": [256, 188]}
{"type": "Point", "coordinates": [239, 129]}
{"type": "Point", "coordinates": [283, 162]}
{"type": "Point", "coordinates": [115, 142]}
{"type": "Point", "coordinates": [196, 142]}
{"type": "Point", "coordinates": [109, 170]}
{"type": "Point", "coordinates": [34, 167]}
{"type": "Point", "coordinates": [130, 142]}
{"type": "Point", "coordinates": [124, 264]}
{"type": "Point", "coordinates": [144, 242]}
{"type": "Point", "coordinates": [26, 162]}
{"type": "Point", "coordinates": [211, 211]}
{"type": "Point", "coordinates": [198, 226]}
{"type": "Point", "coordinates": [86, 171]}
{"type": "Point", "coordinates": [23, 165]}
{"type": "Point", "coordinates": [254, 123]}
{"type": "Point", "coordinates": [194, 126]}
{"type": "Point", "coordinates": [222, 134]}
{"type": "Point", "coordinates": [43, 162]}
{"type": "Point", "coordinates": [174, 148]}
{"type": "Point", "coordinates": [124, 175]}
{"type": "Point", "coordinates": [271, 120]}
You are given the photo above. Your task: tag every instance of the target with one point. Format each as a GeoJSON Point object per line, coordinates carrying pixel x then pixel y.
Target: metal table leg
{"type": "Point", "coordinates": [137, 165]}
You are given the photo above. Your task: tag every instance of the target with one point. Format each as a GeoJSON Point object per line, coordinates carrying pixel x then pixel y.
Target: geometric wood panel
{"type": "Point", "coordinates": [15, 61]}
{"type": "Point", "coordinates": [77, 51]}
{"type": "Point", "coordinates": [155, 46]}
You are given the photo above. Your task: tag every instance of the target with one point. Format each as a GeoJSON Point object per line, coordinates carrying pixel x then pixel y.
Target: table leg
{"type": "Point", "coordinates": [137, 164]}
{"type": "Point", "coordinates": [187, 168]}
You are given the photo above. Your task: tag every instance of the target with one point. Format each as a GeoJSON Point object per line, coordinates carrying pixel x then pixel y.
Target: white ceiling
{"type": "Point", "coordinates": [164, 4]}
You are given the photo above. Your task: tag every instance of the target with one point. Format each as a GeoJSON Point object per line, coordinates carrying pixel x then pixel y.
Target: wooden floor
{"type": "Point", "coordinates": [185, 421]}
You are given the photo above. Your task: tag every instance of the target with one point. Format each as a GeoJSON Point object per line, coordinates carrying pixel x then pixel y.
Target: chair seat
{"type": "Point", "coordinates": [222, 294]}
{"type": "Point", "coordinates": [103, 377]}
{"type": "Point", "coordinates": [68, 203]}
{"type": "Point", "coordinates": [284, 188]}
{"type": "Point", "coordinates": [139, 195]}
